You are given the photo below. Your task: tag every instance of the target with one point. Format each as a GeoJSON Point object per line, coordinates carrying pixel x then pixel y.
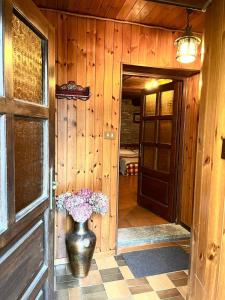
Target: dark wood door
{"type": "Point", "coordinates": [158, 144]}
{"type": "Point", "coordinates": [27, 152]}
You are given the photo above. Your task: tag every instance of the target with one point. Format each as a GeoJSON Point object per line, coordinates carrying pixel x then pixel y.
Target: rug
{"type": "Point", "coordinates": [135, 236]}
{"type": "Point", "coordinates": [157, 261]}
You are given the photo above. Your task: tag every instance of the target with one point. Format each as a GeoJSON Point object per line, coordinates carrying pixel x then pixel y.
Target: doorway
{"type": "Point", "coordinates": [151, 154]}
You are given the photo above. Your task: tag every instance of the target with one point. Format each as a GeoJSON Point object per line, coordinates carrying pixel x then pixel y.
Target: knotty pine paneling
{"type": "Point", "coordinates": [189, 149]}
{"type": "Point", "coordinates": [208, 243]}
{"type": "Point", "coordinates": [137, 11]}
{"type": "Point", "coordinates": [90, 52]}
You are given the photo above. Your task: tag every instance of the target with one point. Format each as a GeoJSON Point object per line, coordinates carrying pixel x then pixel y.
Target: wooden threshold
{"type": "Point", "coordinates": [152, 246]}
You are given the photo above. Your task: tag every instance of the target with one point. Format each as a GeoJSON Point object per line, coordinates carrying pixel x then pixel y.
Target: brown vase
{"type": "Point", "coordinates": [80, 246]}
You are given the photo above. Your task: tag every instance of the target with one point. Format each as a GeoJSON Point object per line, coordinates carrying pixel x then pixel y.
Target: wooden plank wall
{"type": "Point", "coordinates": [208, 245]}
{"type": "Point", "coordinates": [191, 114]}
{"type": "Point", "coordinates": [91, 51]}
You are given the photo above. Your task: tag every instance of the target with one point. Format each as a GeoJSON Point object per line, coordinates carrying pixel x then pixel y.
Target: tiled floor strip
{"type": "Point", "coordinates": [111, 279]}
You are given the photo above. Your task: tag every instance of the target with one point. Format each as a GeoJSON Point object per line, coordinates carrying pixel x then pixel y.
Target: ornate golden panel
{"type": "Point", "coordinates": [27, 63]}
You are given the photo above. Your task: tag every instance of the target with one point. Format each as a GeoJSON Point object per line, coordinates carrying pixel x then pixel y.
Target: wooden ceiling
{"type": "Point", "coordinates": [137, 11]}
{"type": "Point", "coordinates": [133, 85]}
{"type": "Point", "coordinates": [199, 4]}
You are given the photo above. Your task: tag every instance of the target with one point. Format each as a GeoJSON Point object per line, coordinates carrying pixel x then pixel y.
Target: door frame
{"type": "Point", "coordinates": [31, 14]}
{"type": "Point", "coordinates": [167, 73]}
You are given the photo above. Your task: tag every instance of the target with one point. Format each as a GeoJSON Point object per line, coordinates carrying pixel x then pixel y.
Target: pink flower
{"type": "Point", "coordinates": [81, 213]}
{"type": "Point", "coordinates": [81, 205]}
{"type": "Point", "coordinates": [69, 203]}
{"type": "Point", "coordinates": [85, 194]}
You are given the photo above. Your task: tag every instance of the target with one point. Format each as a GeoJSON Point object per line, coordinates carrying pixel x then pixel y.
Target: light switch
{"type": "Point", "coordinates": [109, 135]}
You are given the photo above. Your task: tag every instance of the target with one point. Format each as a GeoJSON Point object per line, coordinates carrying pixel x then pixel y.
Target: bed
{"type": "Point", "coordinates": [129, 161]}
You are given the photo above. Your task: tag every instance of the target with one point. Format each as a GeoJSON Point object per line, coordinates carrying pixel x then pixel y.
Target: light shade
{"type": "Point", "coordinates": [151, 84]}
{"type": "Point", "coordinates": [187, 48]}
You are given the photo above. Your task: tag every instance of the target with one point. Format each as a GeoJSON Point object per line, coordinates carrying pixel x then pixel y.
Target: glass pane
{"type": "Point", "coordinates": [163, 160]}
{"type": "Point", "coordinates": [150, 105]}
{"type": "Point", "coordinates": [149, 131]}
{"type": "Point", "coordinates": [149, 156]}
{"type": "Point", "coordinates": [165, 131]}
{"type": "Point", "coordinates": [3, 164]}
{"type": "Point", "coordinates": [29, 154]}
{"type": "Point", "coordinates": [166, 107]}
{"type": "Point", "coordinates": [27, 63]}
{"type": "Point", "coordinates": [1, 52]}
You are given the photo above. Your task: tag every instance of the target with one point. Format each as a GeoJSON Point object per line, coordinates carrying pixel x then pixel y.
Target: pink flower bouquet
{"type": "Point", "coordinates": [81, 205]}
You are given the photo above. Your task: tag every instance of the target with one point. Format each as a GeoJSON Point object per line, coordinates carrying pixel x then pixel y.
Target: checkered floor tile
{"type": "Point", "coordinates": [111, 279]}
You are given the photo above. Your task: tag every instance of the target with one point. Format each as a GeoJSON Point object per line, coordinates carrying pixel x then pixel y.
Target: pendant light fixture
{"type": "Point", "coordinates": [187, 44]}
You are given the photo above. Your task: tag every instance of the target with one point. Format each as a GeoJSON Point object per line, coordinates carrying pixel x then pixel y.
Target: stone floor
{"type": "Point", "coordinates": [110, 278]}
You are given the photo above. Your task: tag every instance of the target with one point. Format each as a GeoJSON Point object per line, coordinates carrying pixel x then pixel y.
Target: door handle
{"type": "Point", "coordinates": [52, 187]}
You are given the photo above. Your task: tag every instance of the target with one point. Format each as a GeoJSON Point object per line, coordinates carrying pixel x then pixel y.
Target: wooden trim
{"type": "Point", "coordinates": [30, 12]}
{"type": "Point", "coordinates": [170, 73]}
{"type": "Point", "coordinates": [186, 3]}
{"type": "Point", "coordinates": [112, 20]}
{"type": "Point", "coordinates": [178, 141]}
{"type": "Point", "coordinates": [151, 246]}
{"type": "Point", "coordinates": [36, 285]}
{"type": "Point", "coordinates": [62, 261]}
{"type": "Point", "coordinates": [22, 108]}
{"type": "Point", "coordinates": [180, 149]}
{"type": "Point", "coordinates": [52, 104]}
{"type": "Point", "coordinates": [185, 226]}
{"type": "Point", "coordinates": [9, 235]}
{"type": "Point", "coordinates": [10, 169]}
{"type": "Point", "coordinates": [7, 60]}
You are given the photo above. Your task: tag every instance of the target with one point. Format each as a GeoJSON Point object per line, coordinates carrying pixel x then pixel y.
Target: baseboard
{"type": "Point", "coordinates": [185, 226]}
{"type": "Point", "coordinates": [63, 261]}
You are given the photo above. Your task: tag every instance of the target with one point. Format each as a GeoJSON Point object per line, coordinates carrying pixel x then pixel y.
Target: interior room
{"type": "Point", "coordinates": [112, 142]}
{"type": "Point", "coordinates": [156, 110]}
{"type": "Point", "coordinates": [130, 213]}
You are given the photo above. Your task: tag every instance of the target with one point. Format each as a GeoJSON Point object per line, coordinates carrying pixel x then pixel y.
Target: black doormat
{"type": "Point", "coordinates": [157, 261]}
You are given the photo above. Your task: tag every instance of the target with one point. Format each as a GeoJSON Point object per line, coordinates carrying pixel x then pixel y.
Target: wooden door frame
{"type": "Point", "coordinates": [167, 73]}
{"type": "Point", "coordinates": [28, 11]}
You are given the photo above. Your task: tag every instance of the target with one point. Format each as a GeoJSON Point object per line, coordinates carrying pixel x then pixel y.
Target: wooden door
{"type": "Point", "coordinates": [158, 144]}
{"type": "Point", "coordinates": [27, 152]}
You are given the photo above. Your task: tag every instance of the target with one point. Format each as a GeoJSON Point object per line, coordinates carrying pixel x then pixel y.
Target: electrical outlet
{"type": "Point", "coordinates": [109, 135]}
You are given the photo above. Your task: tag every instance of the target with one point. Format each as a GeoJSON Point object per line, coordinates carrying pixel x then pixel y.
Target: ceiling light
{"type": "Point", "coordinates": [151, 84]}
{"type": "Point", "coordinates": [187, 44]}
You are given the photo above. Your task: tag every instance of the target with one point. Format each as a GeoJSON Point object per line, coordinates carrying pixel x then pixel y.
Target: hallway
{"type": "Point", "coordinates": [130, 214]}
{"type": "Point", "coordinates": [110, 278]}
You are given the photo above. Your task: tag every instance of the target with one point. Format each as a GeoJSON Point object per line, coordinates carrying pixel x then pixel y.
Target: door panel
{"type": "Point", "coordinates": [27, 257]}
{"type": "Point", "coordinates": [27, 131]}
{"type": "Point", "coordinates": [150, 105]}
{"type": "Point", "coordinates": [165, 131]}
{"type": "Point", "coordinates": [158, 136]}
{"type": "Point", "coordinates": [155, 188]}
{"type": "Point", "coordinates": [29, 161]}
